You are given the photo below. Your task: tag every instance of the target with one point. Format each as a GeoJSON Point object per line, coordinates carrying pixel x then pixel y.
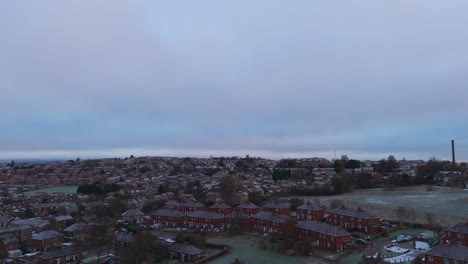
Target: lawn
{"type": "Point", "coordinates": [246, 248]}
{"type": "Point", "coordinates": [450, 205]}
{"type": "Point", "coordinates": [49, 190]}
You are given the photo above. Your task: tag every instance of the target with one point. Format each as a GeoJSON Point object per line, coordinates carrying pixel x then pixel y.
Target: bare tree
{"type": "Point", "coordinates": [145, 249]}
{"type": "Point", "coordinates": [431, 220]}
{"type": "Point", "coordinates": [335, 203]}
{"type": "Point", "coordinates": [227, 187]}
{"type": "Point", "coordinates": [316, 201]}
{"type": "Point", "coordinates": [402, 213]}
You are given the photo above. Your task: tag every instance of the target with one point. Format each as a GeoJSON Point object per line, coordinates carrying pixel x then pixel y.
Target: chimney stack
{"type": "Point", "coordinates": [453, 151]}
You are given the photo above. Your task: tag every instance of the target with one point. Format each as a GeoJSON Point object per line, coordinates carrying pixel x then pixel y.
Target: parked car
{"type": "Point", "coordinates": [361, 241]}
{"type": "Point", "coordinates": [109, 261]}
{"type": "Point", "coordinates": [402, 238]}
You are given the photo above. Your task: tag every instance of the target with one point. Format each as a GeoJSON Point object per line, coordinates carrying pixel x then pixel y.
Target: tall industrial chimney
{"type": "Point", "coordinates": [453, 151]}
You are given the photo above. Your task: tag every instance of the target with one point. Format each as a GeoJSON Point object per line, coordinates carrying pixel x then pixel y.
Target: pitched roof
{"type": "Point", "coordinates": [237, 215]}
{"type": "Point", "coordinates": [459, 228]}
{"type": "Point", "coordinates": [9, 239]}
{"type": "Point", "coordinates": [191, 204]}
{"type": "Point", "coordinates": [6, 218]}
{"type": "Point", "coordinates": [68, 204]}
{"type": "Point", "coordinates": [276, 205]}
{"type": "Point", "coordinates": [59, 253]}
{"type": "Point", "coordinates": [220, 206]}
{"type": "Point", "coordinates": [171, 203]}
{"type": "Point", "coordinates": [206, 214]}
{"type": "Point", "coordinates": [14, 228]}
{"type": "Point", "coordinates": [449, 251]}
{"type": "Point", "coordinates": [63, 218]}
{"type": "Point", "coordinates": [34, 222]}
{"type": "Point", "coordinates": [247, 206]}
{"type": "Point", "coordinates": [359, 213]}
{"type": "Point", "coordinates": [185, 249]}
{"type": "Point", "coordinates": [76, 227]}
{"type": "Point", "coordinates": [122, 237]}
{"type": "Point", "coordinates": [46, 235]}
{"type": "Point", "coordinates": [133, 212]}
{"type": "Point", "coordinates": [168, 212]}
{"type": "Point", "coordinates": [269, 216]}
{"type": "Point", "coordinates": [309, 207]}
{"type": "Point", "coordinates": [322, 228]}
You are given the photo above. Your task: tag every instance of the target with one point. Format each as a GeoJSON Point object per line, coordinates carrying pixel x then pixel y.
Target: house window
{"type": "Point", "coordinates": [430, 258]}
{"type": "Point", "coordinates": [460, 235]}
{"type": "Point", "coordinates": [446, 261]}
{"type": "Point", "coordinates": [455, 261]}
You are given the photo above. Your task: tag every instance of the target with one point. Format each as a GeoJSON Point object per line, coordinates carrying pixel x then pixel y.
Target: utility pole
{"type": "Point", "coordinates": [453, 151]}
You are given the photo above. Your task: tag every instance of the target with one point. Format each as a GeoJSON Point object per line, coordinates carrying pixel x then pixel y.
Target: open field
{"type": "Point", "coordinates": [64, 189]}
{"type": "Point", "coordinates": [245, 247]}
{"type": "Point", "coordinates": [450, 205]}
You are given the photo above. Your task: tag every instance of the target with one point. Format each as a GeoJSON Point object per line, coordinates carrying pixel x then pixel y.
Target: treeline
{"type": "Point", "coordinates": [96, 189]}
{"type": "Point", "coordinates": [281, 174]}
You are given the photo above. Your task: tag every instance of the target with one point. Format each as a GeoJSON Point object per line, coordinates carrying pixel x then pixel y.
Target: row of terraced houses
{"type": "Point", "coordinates": [274, 218]}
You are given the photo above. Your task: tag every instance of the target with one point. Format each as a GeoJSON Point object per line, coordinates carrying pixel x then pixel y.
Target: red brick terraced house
{"type": "Point", "coordinates": [67, 208]}
{"type": "Point", "coordinates": [204, 219]}
{"type": "Point", "coordinates": [61, 256]}
{"type": "Point", "coordinates": [237, 221]}
{"type": "Point", "coordinates": [190, 207]}
{"type": "Point", "coordinates": [45, 209]}
{"type": "Point", "coordinates": [168, 217]}
{"type": "Point", "coordinates": [457, 235]}
{"type": "Point", "coordinates": [308, 211]}
{"type": "Point", "coordinates": [247, 208]}
{"type": "Point", "coordinates": [446, 254]}
{"type": "Point", "coordinates": [171, 204]}
{"type": "Point", "coordinates": [76, 231]}
{"type": "Point", "coordinates": [355, 219]}
{"type": "Point", "coordinates": [46, 240]}
{"type": "Point", "coordinates": [277, 208]}
{"type": "Point", "coordinates": [323, 235]}
{"type": "Point", "coordinates": [220, 208]}
{"type": "Point", "coordinates": [21, 232]}
{"type": "Point", "coordinates": [7, 243]}
{"type": "Point", "coordinates": [269, 222]}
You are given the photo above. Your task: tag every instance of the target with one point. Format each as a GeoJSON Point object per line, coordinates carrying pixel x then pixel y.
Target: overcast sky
{"type": "Point", "coordinates": [301, 78]}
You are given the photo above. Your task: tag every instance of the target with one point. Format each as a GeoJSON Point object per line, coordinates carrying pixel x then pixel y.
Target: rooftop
{"type": "Point", "coordinates": [449, 251]}
{"type": "Point", "coordinates": [359, 213]}
{"type": "Point", "coordinates": [459, 228]}
{"type": "Point", "coordinates": [322, 228]}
